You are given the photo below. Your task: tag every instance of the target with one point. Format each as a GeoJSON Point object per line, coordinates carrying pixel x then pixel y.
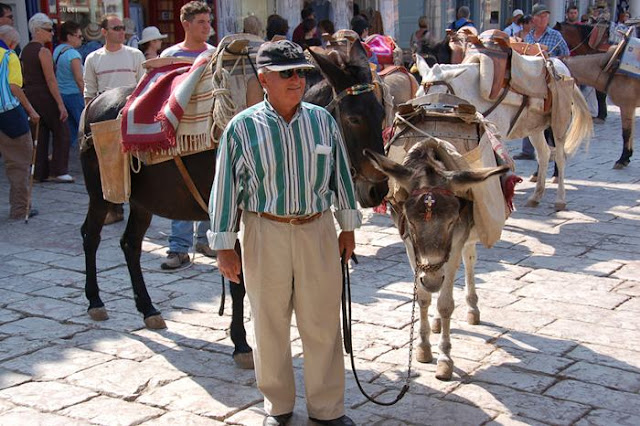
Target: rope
{"type": "Point", "coordinates": [224, 108]}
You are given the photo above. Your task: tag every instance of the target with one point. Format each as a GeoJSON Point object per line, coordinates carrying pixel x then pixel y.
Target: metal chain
{"type": "Point", "coordinates": [412, 328]}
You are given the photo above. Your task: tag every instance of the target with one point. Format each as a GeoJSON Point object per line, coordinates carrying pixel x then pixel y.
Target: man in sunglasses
{"type": "Point", "coordinates": [113, 65]}
{"type": "Point", "coordinates": [282, 163]}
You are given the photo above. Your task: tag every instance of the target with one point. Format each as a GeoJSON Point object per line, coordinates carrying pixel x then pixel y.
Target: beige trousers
{"type": "Point", "coordinates": [16, 154]}
{"type": "Point", "coordinates": [295, 268]}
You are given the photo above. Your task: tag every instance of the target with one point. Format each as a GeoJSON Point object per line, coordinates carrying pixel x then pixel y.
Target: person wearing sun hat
{"type": "Point", "coordinates": [93, 40]}
{"type": "Point", "coordinates": [514, 28]}
{"type": "Point", "coordinates": [151, 42]}
{"type": "Point", "coordinates": [290, 253]}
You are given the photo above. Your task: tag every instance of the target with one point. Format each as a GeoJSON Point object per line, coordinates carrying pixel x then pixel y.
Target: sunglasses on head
{"type": "Point", "coordinates": [302, 73]}
{"type": "Point", "coordinates": [118, 28]}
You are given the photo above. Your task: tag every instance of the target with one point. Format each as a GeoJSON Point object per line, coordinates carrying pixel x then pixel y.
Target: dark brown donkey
{"type": "Point", "coordinates": [587, 67]}
{"type": "Point", "coordinates": [160, 190]}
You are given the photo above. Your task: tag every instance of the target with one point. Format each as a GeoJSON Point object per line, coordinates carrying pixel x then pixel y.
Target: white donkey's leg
{"type": "Point", "coordinates": [423, 350]}
{"type": "Point", "coordinates": [542, 153]}
{"type": "Point", "coordinates": [561, 200]}
{"type": "Point", "coordinates": [469, 257]}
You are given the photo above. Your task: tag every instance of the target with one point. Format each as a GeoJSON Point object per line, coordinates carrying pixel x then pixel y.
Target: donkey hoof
{"type": "Point", "coordinates": [533, 178]}
{"type": "Point", "coordinates": [155, 322]}
{"type": "Point", "coordinates": [619, 166]}
{"type": "Point", "coordinates": [444, 370]}
{"type": "Point", "coordinates": [436, 325]}
{"type": "Point", "coordinates": [473, 318]}
{"type": "Point", "coordinates": [559, 206]}
{"type": "Point", "coordinates": [423, 354]}
{"type": "Point", "coordinates": [532, 203]}
{"type": "Point", "coordinates": [244, 360]}
{"type": "Point", "coordinates": [98, 314]}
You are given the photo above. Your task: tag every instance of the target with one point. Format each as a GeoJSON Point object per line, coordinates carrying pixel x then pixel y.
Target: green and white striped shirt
{"type": "Point", "coordinates": [267, 165]}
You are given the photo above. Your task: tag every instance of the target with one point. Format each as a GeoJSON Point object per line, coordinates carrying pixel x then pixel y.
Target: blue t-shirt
{"type": "Point", "coordinates": [63, 54]}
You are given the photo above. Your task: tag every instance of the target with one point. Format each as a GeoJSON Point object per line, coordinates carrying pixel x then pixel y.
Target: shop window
{"type": "Point", "coordinates": [85, 11]}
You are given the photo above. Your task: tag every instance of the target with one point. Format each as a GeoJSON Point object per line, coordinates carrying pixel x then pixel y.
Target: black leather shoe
{"type": "Point", "coordinates": [340, 421]}
{"type": "Point", "coordinates": [279, 420]}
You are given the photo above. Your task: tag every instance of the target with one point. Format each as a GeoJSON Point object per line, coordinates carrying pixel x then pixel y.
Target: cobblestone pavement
{"type": "Point", "coordinates": [559, 341]}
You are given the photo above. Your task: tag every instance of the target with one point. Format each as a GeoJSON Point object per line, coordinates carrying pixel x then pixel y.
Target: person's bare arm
{"type": "Point", "coordinates": [46, 61]}
{"type": "Point", "coordinates": [76, 69]}
{"type": "Point", "coordinates": [31, 112]}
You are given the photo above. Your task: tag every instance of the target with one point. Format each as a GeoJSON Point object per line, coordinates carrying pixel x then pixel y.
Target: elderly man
{"type": "Point", "coordinates": [283, 163]}
{"type": "Point", "coordinates": [113, 65]}
{"type": "Point", "coordinates": [543, 34]}
{"type": "Point", "coordinates": [195, 18]}
{"type": "Point", "coordinates": [462, 19]}
{"type": "Point", "coordinates": [16, 145]}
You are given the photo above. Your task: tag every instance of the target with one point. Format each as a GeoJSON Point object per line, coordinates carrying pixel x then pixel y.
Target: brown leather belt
{"type": "Point", "coordinates": [291, 220]}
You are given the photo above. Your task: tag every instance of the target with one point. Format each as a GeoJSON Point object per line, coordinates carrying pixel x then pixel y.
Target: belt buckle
{"type": "Point", "coordinates": [296, 221]}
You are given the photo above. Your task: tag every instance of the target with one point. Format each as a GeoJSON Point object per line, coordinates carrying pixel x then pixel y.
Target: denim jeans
{"type": "Point", "coordinates": [527, 147]}
{"type": "Point", "coordinates": [181, 238]}
{"type": "Point", "coordinates": [74, 105]}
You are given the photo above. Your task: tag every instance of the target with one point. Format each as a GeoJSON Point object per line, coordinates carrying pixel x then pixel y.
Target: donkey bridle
{"type": "Point", "coordinates": [334, 105]}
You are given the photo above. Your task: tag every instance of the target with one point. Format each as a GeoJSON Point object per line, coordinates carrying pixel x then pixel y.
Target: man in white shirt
{"type": "Point", "coordinates": [195, 18]}
{"type": "Point", "coordinates": [113, 65]}
{"type": "Point", "coordinates": [513, 29]}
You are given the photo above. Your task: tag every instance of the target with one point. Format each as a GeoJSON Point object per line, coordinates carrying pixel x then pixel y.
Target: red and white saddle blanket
{"type": "Point", "coordinates": [170, 109]}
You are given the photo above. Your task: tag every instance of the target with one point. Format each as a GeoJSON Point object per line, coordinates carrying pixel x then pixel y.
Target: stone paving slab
{"type": "Point", "coordinates": [558, 342]}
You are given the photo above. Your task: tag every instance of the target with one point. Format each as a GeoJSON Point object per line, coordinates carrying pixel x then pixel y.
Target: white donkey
{"type": "Point", "coordinates": [464, 81]}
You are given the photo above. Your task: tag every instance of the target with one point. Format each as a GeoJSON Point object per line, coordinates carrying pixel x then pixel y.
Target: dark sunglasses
{"type": "Point", "coordinates": [118, 28]}
{"type": "Point", "coordinates": [47, 29]}
{"type": "Point", "coordinates": [289, 73]}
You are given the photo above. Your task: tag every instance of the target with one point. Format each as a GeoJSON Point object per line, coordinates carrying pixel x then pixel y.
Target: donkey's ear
{"type": "Point", "coordinates": [358, 57]}
{"type": "Point", "coordinates": [423, 67]}
{"type": "Point", "coordinates": [329, 69]}
{"type": "Point", "coordinates": [465, 179]}
{"type": "Point", "coordinates": [390, 168]}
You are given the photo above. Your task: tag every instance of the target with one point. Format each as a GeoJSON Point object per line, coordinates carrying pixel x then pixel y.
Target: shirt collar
{"type": "Point", "coordinates": [272, 112]}
{"type": "Point", "coordinates": [4, 45]}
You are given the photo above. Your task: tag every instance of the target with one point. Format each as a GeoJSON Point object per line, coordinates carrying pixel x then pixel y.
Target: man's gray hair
{"type": "Point", "coordinates": [464, 12]}
{"type": "Point", "coordinates": [9, 35]}
{"type": "Point", "coordinates": [37, 21]}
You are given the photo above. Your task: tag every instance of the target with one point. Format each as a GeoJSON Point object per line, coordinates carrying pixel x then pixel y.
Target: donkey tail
{"type": "Point", "coordinates": [581, 127]}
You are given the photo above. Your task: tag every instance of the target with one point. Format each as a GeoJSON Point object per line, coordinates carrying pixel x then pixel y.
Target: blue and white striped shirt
{"type": "Point", "coordinates": [552, 39]}
{"type": "Point", "coordinates": [267, 165]}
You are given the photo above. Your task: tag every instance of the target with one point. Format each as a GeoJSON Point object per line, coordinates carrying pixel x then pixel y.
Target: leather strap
{"type": "Point", "coordinates": [189, 182]}
{"type": "Point", "coordinates": [525, 102]}
{"type": "Point", "coordinates": [292, 220]}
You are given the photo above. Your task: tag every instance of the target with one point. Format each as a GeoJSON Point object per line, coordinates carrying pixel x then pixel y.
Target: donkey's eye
{"type": "Point", "coordinates": [352, 119]}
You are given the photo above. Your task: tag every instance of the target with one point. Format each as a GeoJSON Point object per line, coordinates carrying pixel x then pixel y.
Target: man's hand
{"type": "Point", "coordinates": [229, 265]}
{"type": "Point", "coordinates": [347, 242]}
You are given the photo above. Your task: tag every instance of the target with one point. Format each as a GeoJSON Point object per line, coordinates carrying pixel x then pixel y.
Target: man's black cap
{"type": "Point", "coordinates": [281, 55]}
